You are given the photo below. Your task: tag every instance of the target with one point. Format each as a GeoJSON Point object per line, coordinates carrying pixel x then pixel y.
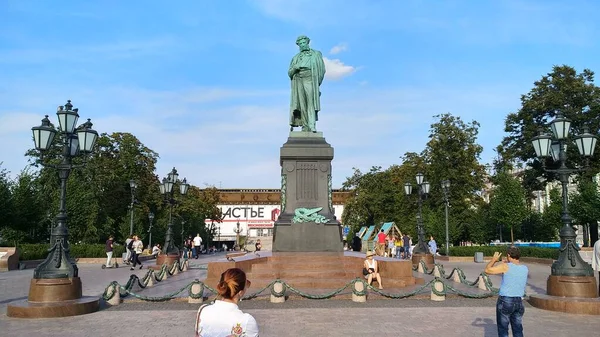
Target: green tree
{"type": "Point", "coordinates": [6, 207]}
{"type": "Point", "coordinates": [508, 208]}
{"type": "Point", "coordinates": [453, 153]}
{"type": "Point", "coordinates": [551, 218]}
{"type": "Point", "coordinates": [565, 90]}
{"type": "Point", "coordinates": [374, 198]}
{"type": "Point", "coordinates": [584, 207]}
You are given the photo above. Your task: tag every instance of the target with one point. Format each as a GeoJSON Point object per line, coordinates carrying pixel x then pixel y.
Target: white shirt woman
{"type": "Point", "coordinates": [224, 318]}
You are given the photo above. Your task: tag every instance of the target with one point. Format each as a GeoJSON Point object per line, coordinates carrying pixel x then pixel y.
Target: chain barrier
{"type": "Point", "coordinates": [126, 290]}
{"type": "Point", "coordinates": [200, 293]}
{"type": "Point", "coordinates": [356, 292]}
{"type": "Point", "coordinates": [274, 292]}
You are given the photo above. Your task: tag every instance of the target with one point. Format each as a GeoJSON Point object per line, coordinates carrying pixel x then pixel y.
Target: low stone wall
{"type": "Point", "coordinates": [9, 258]}
{"type": "Point", "coordinates": [84, 260]}
{"type": "Point", "coordinates": [488, 258]}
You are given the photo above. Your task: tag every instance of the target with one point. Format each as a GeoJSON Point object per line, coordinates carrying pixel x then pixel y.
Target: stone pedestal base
{"type": "Point", "coordinates": [572, 286]}
{"type": "Point", "coordinates": [307, 237]}
{"type": "Point", "coordinates": [571, 305]}
{"type": "Point", "coordinates": [168, 259]}
{"type": "Point", "coordinates": [54, 298]}
{"type": "Point", "coordinates": [306, 184]}
{"type": "Point", "coordinates": [428, 258]}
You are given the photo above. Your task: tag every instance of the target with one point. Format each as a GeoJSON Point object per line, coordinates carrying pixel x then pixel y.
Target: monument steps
{"type": "Point", "coordinates": [301, 274]}
{"type": "Point", "coordinates": [308, 266]}
{"type": "Point", "coordinates": [305, 283]}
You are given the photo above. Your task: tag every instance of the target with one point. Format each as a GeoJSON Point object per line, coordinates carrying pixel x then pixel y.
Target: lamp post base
{"type": "Point", "coordinates": [427, 258]}
{"type": "Point", "coordinates": [572, 286]}
{"type": "Point", "coordinates": [60, 297]}
{"type": "Point", "coordinates": [169, 259]}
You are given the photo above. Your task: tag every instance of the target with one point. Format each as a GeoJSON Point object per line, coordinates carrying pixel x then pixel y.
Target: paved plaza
{"type": "Point", "coordinates": [296, 317]}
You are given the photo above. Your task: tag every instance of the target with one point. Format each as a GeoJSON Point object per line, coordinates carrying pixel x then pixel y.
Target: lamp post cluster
{"type": "Point", "coordinates": [421, 247]}
{"type": "Point", "coordinates": [133, 186]}
{"type": "Point", "coordinates": [446, 190]}
{"type": "Point", "coordinates": [166, 189]}
{"type": "Point", "coordinates": [74, 141]}
{"type": "Point", "coordinates": [569, 262]}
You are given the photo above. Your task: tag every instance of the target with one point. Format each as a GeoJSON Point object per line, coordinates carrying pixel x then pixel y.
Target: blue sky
{"type": "Point", "coordinates": [204, 83]}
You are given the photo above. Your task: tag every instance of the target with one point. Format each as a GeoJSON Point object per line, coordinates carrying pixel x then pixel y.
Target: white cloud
{"type": "Point", "coordinates": [338, 48]}
{"type": "Point", "coordinates": [232, 139]}
{"type": "Point", "coordinates": [336, 69]}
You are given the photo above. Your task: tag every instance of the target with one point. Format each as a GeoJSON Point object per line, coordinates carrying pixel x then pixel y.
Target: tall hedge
{"type": "Point", "coordinates": [40, 251]}
{"type": "Point", "coordinates": [544, 253]}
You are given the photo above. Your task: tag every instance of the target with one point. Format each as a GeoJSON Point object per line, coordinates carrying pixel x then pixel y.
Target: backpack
{"type": "Point", "coordinates": [130, 245]}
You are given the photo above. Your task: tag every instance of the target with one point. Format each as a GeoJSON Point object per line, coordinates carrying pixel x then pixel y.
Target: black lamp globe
{"type": "Point", "coordinates": [561, 126]}
{"type": "Point", "coordinates": [586, 143]}
{"type": "Point", "coordinates": [542, 144]}
{"type": "Point", "coordinates": [173, 175]}
{"type": "Point", "coordinates": [407, 188]}
{"type": "Point", "coordinates": [87, 137]}
{"type": "Point", "coordinates": [67, 118]}
{"type": "Point", "coordinates": [184, 186]}
{"type": "Point", "coordinates": [43, 135]}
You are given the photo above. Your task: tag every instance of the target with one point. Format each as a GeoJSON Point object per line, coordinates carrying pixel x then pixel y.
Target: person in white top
{"type": "Point", "coordinates": [197, 246]}
{"type": "Point", "coordinates": [371, 269]}
{"type": "Point", "coordinates": [138, 247]}
{"type": "Point", "coordinates": [156, 250]}
{"type": "Point", "coordinates": [596, 261]}
{"type": "Point", "coordinates": [223, 318]}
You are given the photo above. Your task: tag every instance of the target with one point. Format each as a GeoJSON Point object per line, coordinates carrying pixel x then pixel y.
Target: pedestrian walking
{"type": "Point", "coordinates": [128, 244]}
{"type": "Point", "coordinates": [109, 251]}
{"type": "Point", "coordinates": [197, 246]}
{"type": "Point", "coordinates": [137, 249]}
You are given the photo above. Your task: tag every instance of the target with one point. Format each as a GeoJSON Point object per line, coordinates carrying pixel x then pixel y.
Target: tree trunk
{"type": "Point", "coordinates": [512, 235]}
{"type": "Point", "coordinates": [586, 234]}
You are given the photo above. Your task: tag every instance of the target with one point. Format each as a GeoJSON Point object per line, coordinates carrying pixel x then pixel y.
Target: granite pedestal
{"type": "Point", "coordinates": [59, 297]}
{"type": "Point", "coordinates": [305, 161]}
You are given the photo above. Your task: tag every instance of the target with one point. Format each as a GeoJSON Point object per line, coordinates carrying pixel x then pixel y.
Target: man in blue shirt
{"type": "Point", "coordinates": [509, 307]}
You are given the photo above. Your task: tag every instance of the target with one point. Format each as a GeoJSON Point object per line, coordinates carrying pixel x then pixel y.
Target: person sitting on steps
{"type": "Point", "coordinates": [372, 269]}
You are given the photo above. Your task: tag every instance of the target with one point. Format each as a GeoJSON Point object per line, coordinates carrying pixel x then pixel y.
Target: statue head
{"type": "Point", "coordinates": [303, 41]}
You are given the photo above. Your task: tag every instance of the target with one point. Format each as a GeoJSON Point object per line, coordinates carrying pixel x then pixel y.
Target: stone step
{"type": "Point", "coordinates": [301, 274]}
{"type": "Point", "coordinates": [312, 265]}
{"type": "Point", "coordinates": [327, 283]}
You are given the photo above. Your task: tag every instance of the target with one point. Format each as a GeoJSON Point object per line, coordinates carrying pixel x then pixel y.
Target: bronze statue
{"type": "Point", "coordinates": [306, 72]}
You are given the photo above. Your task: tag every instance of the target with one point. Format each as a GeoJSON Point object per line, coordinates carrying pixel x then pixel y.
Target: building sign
{"type": "Point", "coordinates": [252, 217]}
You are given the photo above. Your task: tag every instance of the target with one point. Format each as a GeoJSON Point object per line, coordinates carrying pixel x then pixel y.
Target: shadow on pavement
{"type": "Point", "coordinates": [488, 325]}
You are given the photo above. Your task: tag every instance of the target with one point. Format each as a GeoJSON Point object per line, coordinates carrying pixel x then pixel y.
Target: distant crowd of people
{"type": "Point", "coordinates": [399, 246]}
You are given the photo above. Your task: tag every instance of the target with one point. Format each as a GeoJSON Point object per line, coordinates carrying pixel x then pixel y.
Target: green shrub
{"type": "Point", "coordinates": [537, 252]}
{"type": "Point", "coordinates": [40, 251]}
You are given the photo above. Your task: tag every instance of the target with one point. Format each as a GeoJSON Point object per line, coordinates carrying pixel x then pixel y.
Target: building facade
{"type": "Point", "coordinates": [253, 212]}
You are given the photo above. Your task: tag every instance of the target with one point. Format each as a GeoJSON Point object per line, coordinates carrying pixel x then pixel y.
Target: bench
{"type": "Point", "coordinates": [9, 258]}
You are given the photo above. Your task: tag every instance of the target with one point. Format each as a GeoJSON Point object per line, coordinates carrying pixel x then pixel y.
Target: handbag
{"type": "Point", "coordinates": [365, 271]}
{"type": "Point", "coordinates": [198, 319]}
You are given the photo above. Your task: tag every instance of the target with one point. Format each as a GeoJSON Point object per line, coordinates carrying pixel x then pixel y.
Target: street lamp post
{"type": "Point", "coordinates": [182, 233]}
{"type": "Point", "coordinates": [56, 279]}
{"type": "Point", "coordinates": [133, 186]}
{"type": "Point", "coordinates": [151, 219]}
{"type": "Point", "coordinates": [421, 247]}
{"type": "Point", "coordinates": [570, 275]}
{"type": "Point", "coordinates": [446, 190]}
{"type": "Point", "coordinates": [166, 188]}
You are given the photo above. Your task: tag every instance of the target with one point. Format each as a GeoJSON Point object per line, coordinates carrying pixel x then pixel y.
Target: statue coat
{"type": "Point", "coordinates": [298, 99]}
